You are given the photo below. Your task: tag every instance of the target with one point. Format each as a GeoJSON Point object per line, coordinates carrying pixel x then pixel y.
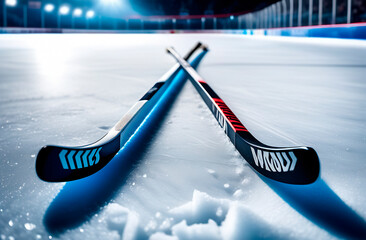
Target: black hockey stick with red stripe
{"type": "Point", "coordinates": [60, 164]}
{"type": "Point", "coordinates": [294, 165]}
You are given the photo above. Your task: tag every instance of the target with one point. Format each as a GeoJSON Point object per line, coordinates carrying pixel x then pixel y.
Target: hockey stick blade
{"type": "Point", "coordinates": [294, 165]}
{"type": "Point", "coordinates": [60, 164]}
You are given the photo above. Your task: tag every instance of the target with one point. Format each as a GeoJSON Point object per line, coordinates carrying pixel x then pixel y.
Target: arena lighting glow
{"type": "Point", "coordinates": [49, 7]}
{"type": "Point", "coordinates": [111, 2]}
{"type": "Point", "coordinates": [231, 17]}
{"type": "Point", "coordinates": [77, 12]}
{"type": "Point", "coordinates": [11, 3]}
{"type": "Point", "coordinates": [64, 10]}
{"type": "Point", "coordinates": [90, 14]}
{"type": "Point", "coordinates": [112, 5]}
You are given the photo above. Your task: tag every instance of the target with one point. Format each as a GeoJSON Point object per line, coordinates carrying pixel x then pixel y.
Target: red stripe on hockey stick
{"type": "Point", "coordinates": [230, 116]}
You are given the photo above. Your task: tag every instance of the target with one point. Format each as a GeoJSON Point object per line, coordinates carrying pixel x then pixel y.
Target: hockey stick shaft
{"type": "Point", "coordinates": [295, 165]}
{"type": "Point", "coordinates": [58, 163]}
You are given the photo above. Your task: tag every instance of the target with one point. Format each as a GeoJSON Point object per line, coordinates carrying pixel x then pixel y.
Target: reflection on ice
{"type": "Point", "coordinates": [52, 61]}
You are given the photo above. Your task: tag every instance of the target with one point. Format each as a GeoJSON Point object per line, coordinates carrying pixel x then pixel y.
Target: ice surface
{"type": "Point", "coordinates": [190, 180]}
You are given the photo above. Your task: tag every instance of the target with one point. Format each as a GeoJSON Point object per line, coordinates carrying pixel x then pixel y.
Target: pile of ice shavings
{"type": "Point", "coordinates": [204, 217]}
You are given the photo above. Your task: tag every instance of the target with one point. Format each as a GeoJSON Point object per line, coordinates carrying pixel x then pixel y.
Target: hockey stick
{"type": "Point", "coordinates": [295, 165]}
{"type": "Point", "coordinates": [59, 164]}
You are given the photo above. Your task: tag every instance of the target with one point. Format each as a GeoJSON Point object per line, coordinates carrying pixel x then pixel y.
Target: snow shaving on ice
{"type": "Point", "coordinates": [204, 217]}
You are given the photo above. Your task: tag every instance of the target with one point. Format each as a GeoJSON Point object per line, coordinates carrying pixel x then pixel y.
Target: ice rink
{"type": "Point", "coordinates": [188, 181]}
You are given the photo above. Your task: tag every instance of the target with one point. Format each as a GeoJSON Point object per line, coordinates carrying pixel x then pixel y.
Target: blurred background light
{"type": "Point", "coordinates": [49, 7]}
{"type": "Point", "coordinates": [11, 3]}
{"type": "Point", "coordinates": [77, 12]}
{"type": "Point", "coordinates": [111, 2]}
{"type": "Point", "coordinates": [90, 14]}
{"type": "Point", "coordinates": [64, 10]}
